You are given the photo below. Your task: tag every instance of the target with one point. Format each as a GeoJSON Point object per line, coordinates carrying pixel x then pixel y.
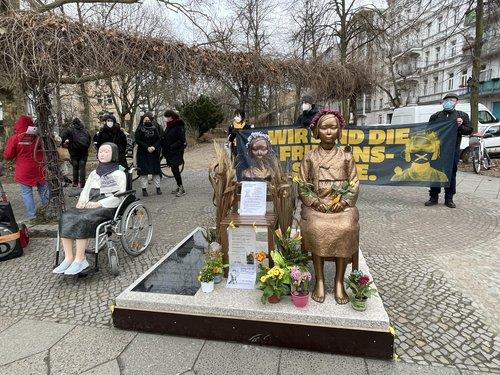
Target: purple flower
{"type": "Point", "coordinates": [363, 280]}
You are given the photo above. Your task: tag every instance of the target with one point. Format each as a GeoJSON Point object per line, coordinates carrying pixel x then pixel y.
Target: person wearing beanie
{"type": "Point", "coordinates": [112, 132]}
{"type": "Point", "coordinates": [462, 124]}
{"type": "Point", "coordinates": [309, 110]}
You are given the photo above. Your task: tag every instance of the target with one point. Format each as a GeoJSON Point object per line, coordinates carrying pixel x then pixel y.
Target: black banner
{"type": "Point", "coordinates": [415, 154]}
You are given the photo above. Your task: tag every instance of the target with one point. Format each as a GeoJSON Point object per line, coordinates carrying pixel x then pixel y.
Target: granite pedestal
{"type": "Point", "coordinates": [168, 299]}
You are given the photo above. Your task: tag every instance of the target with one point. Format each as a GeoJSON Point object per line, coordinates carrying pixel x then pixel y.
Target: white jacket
{"type": "Point", "coordinates": [108, 184]}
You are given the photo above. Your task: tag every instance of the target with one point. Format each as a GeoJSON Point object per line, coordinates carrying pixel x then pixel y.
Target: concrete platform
{"type": "Point", "coordinates": [238, 315]}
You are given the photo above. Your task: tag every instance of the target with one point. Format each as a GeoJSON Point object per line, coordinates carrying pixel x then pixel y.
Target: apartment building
{"type": "Point", "coordinates": [434, 57]}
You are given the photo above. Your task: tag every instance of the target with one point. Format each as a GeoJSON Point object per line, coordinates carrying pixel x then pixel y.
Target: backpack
{"type": "Point", "coordinates": [81, 139]}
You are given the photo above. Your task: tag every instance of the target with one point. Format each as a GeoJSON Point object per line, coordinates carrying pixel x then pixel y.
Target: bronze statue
{"type": "Point", "coordinates": [261, 156]}
{"type": "Point", "coordinates": [328, 189]}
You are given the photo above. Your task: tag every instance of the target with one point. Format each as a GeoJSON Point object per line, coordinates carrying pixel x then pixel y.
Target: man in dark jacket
{"type": "Point", "coordinates": [112, 132]}
{"type": "Point", "coordinates": [461, 120]}
{"type": "Point", "coordinates": [77, 140]}
{"type": "Point", "coordinates": [309, 110]}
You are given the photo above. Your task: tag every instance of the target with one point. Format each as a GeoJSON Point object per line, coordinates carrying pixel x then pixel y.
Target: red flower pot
{"type": "Point", "coordinates": [273, 299]}
{"type": "Point", "coordinates": [300, 300]}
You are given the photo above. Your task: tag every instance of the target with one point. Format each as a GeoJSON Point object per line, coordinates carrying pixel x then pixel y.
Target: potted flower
{"type": "Point", "coordinates": [361, 288]}
{"type": "Point", "coordinates": [206, 277]}
{"type": "Point", "coordinates": [300, 286]}
{"type": "Point", "coordinates": [214, 260]}
{"type": "Point", "coordinates": [272, 283]}
{"type": "Point", "coordinates": [289, 247]}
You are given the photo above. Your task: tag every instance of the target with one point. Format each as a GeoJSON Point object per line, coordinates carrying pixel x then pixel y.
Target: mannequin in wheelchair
{"type": "Point", "coordinates": [97, 203]}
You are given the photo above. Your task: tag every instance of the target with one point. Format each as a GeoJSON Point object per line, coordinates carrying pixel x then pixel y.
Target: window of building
{"type": "Point", "coordinates": [380, 103]}
{"type": "Point", "coordinates": [426, 83]}
{"type": "Point", "coordinates": [99, 98]}
{"type": "Point", "coordinates": [453, 48]}
{"type": "Point", "coordinates": [427, 57]}
{"type": "Point", "coordinates": [435, 85]}
{"type": "Point", "coordinates": [109, 99]}
{"type": "Point", "coordinates": [463, 78]}
{"type": "Point", "coordinates": [438, 52]}
{"type": "Point", "coordinates": [429, 25]}
{"type": "Point", "coordinates": [450, 81]}
{"type": "Point", "coordinates": [379, 119]}
{"type": "Point", "coordinates": [456, 18]}
{"type": "Point", "coordinates": [440, 23]}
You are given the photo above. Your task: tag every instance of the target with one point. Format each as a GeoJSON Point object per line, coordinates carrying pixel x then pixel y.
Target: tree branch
{"type": "Point", "coordinates": [58, 3]}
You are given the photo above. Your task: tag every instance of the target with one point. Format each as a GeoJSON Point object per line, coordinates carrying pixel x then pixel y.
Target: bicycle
{"type": "Point", "coordinates": [480, 156]}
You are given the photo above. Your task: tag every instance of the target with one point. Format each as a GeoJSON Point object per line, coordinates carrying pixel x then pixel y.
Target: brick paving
{"type": "Point", "coordinates": [434, 267]}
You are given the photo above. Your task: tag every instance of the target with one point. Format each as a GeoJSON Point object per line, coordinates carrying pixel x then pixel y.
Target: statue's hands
{"type": "Point", "coordinates": [320, 205]}
{"type": "Point", "coordinates": [80, 204]}
{"type": "Point", "coordinates": [339, 207]}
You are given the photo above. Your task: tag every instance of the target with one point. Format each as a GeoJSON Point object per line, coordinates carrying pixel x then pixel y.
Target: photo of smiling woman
{"type": "Point", "coordinates": [261, 157]}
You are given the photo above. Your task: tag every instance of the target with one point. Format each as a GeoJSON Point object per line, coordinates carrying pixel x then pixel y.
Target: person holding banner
{"type": "Point", "coordinates": [239, 123]}
{"type": "Point", "coordinates": [309, 110]}
{"type": "Point", "coordinates": [328, 189]}
{"type": "Point", "coordinates": [463, 128]}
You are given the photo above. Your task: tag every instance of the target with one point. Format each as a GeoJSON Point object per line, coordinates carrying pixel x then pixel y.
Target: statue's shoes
{"type": "Point", "coordinates": [62, 267]}
{"type": "Point", "coordinates": [76, 267]}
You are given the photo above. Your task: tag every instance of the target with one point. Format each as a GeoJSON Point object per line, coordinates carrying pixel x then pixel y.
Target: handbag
{"type": "Point", "coordinates": [63, 154]}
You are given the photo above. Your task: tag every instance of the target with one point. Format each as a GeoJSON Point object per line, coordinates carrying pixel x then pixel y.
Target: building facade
{"type": "Point", "coordinates": [434, 57]}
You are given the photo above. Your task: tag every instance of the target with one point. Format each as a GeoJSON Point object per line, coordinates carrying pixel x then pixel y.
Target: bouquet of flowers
{"type": "Point", "coordinates": [271, 282]}
{"type": "Point", "coordinates": [360, 285]}
{"type": "Point", "coordinates": [289, 248]}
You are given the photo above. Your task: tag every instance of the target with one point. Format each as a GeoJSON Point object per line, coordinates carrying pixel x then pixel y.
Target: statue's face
{"type": "Point", "coordinates": [105, 154]}
{"type": "Point", "coordinates": [328, 130]}
{"type": "Point", "coordinates": [259, 149]}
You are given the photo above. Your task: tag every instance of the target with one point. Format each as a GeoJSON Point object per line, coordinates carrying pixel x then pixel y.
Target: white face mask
{"type": "Point", "coordinates": [306, 107]}
{"type": "Point", "coordinates": [110, 124]}
{"type": "Point", "coordinates": [237, 118]}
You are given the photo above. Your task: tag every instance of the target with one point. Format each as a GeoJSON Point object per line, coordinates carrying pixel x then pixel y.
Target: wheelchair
{"type": "Point", "coordinates": [131, 224]}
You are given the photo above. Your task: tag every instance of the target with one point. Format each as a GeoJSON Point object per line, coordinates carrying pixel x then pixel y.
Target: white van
{"type": "Point", "coordinates": [421, 113]}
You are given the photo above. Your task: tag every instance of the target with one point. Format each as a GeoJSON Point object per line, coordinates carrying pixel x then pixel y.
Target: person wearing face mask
{"type": "Point", "coordinates": [173, 145]}
{"type": "Point", "coordinates": [239, 123]}
{"type": "Point", "coordinates": [462, 124]}
{"type": "Point", "coordinates": [112, 132]}
{"type": "Point", "coordinates": [309, 110]}
{"type": "Point", "coordinates": [147, 138]}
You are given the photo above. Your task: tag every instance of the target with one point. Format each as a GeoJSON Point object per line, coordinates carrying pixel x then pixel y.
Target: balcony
{"type": "Point", "coordinates": [490, 87]}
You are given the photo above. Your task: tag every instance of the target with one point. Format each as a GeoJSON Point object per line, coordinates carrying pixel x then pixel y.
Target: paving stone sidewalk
{"type": "Point", "coordinates": [436, 270]}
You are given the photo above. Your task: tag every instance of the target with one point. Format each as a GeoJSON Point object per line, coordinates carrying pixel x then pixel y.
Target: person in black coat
{"type": "Point", "coordinates": [239, 123]}
{"type": "Point", "coordinates": [77, 140]}
{"type": "Point", "coordinates": [113, 133]}
{"type": "Point", "coordinates": [461, 121]}
{"type": "Point", "coordinates": [173, 145]}
{"type": "Point", "coordinates": [147, 138]}
{"type": "Point", "coordinates": [309, 110]}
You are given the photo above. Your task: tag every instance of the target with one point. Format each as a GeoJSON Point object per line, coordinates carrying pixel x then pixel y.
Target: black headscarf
{"type": "Point", "coordinates": [113, 165]}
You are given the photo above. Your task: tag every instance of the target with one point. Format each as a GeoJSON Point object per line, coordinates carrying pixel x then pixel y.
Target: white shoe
{"type": "Point", "coordinates": [62, 267]}
{"type": "Point", "coordinates": [76, 267]}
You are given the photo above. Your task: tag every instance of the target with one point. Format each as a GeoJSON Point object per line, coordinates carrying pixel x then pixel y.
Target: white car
{"type": "Point", "coordinates": [491, 134]}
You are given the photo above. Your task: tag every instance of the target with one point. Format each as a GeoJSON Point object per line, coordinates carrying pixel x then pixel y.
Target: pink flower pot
{"type": "Point", "coordinates": [300, 300]}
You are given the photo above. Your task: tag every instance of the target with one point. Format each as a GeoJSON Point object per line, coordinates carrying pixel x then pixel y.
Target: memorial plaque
{"type": "Point", "coordinates": [253, 198]}
{"type": "Point", "coordinates": [242, 245]}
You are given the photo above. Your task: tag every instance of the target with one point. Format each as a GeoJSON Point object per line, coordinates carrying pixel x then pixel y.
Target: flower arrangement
{"type": "Point", "coordinates": [300, 280]}
{"type": "Point", "coordinates": [206, 274]}
{"type": "Point", "coordinates": [360, 285]}
{"type": "Point", "coordinates": [338, 192]}
{"type": "Point", "coordinates": [213, 267]}
{"type": "Point", "coordinates": [271, 282]}
{"type": "Point", "coordinates": [289, 248]}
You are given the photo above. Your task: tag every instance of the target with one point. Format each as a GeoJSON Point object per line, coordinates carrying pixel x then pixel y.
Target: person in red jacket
{"type": "Point", "coordinates": [28, 171]}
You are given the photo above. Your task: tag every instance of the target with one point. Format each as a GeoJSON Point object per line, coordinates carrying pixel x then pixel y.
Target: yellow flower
{"type": "Point", "coordinates": [296, 179]}
{"type": "Point", "coordinates": [199, 277]}
{"type": "Point", "coordinates": [231, 225]}
{"type": "Point", "coordinates": [278, 233]}
{"type": "Point", "coordinates": [336, 199]}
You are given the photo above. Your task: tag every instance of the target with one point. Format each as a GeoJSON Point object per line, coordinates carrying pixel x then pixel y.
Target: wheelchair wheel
{"type": "Point", "coordinates": [136, 229]}
{"type": "Point", "coordinates": [114, 264]}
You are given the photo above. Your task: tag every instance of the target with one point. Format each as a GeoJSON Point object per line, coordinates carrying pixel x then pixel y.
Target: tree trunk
{"type": "Point", "coordinates": [476, 64]}
{"type": "Point", "coordinates": [87, 117]}
{"type": "Point", "coordinates": [53, 173]}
